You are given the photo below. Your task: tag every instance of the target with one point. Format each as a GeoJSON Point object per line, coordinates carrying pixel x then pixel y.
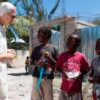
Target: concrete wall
{"type": "Point", "coordinates": [67, 28]}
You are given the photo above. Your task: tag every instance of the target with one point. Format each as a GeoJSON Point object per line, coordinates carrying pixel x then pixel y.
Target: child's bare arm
{"type": "Point", "coordinates": [91, 79]}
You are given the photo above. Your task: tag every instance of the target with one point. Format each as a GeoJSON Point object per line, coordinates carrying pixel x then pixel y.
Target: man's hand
{"type": "Point", "coordinates": [11, 53]}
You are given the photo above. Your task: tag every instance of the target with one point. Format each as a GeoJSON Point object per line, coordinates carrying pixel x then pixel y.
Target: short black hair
{"type": "Point", "coordinates": [46, 31]}
{"type": "Point", "coordinates": [96, 46]}
{"type": "Point", "coordinates": [76, 37]}
{"type": "Point", "coordinates": [98, 40]}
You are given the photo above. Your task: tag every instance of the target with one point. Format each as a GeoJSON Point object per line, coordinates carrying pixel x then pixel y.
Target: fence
{"type": "Point", "coordinates": [88, 35]}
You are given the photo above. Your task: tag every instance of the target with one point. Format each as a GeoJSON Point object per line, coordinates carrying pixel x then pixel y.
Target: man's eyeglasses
{"type": "Point", "coordinates": [13, 16]}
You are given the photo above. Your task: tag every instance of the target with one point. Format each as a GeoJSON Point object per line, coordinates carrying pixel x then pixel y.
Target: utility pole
{"type": "Point", "coordinates": [63, 7]}
{"type": "Point", "coordinates": [78, 15]}
{"type": "Point", "coordinates": [63, 28]}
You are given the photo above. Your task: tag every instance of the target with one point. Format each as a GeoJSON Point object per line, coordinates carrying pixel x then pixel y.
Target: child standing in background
{"type": "Point", "coordinates": [27, 63]}
{"type": "Point", "coordinates": [95, 72]}
{"type": "Point", "coordinates": [73, 65]}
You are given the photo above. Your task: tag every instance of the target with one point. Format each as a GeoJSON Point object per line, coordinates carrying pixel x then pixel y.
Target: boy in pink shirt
{"type": "Point", "coordinates": [73, 65]}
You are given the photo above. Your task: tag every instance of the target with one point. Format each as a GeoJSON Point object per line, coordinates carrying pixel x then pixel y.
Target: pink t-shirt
{"type": "Point", "coordinates": [72, 63]}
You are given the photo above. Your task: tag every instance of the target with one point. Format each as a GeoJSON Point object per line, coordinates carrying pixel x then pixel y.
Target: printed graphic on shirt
{"type": "Point", "coordinates": [72, 68]}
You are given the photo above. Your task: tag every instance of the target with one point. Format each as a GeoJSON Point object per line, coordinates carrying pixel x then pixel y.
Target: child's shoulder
{"type": "Point", "coordinates": [38, 46]}
{"type": "Point", "coordinates": [95, 59]}
{"type": "Point", "coordinates": [63, 53]}
{"type": "Point", "coordinates": [80, 54]}
{"type": "Point", "coordinates": [51, 46]}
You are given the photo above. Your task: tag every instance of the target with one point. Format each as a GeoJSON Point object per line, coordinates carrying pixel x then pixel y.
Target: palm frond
{"type": "Point", "coordinates": [53, 9]}
{"type": "Point", "coordinates": [16, 2]}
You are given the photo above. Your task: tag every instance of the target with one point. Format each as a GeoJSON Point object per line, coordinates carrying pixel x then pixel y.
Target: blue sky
{"type": "Point", "coordinates": [84, 9]}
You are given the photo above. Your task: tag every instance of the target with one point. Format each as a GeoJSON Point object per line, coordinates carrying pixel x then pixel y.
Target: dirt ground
{"type": "Point", "coordinates": [20, 85]}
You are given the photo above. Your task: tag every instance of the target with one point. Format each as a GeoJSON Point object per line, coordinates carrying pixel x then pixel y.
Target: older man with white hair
{"type": "Point", "coordinates": [7, 15]}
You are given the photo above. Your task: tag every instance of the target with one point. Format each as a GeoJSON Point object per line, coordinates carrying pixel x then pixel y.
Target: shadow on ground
{"type": "Point", "coordinates": [18, 74]}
